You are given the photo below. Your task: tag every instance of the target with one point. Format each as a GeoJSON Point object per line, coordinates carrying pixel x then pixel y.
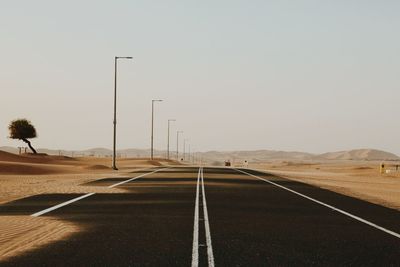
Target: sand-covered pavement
{"type": "Point", "coordinates": [25, 176]}
{"type": "Point", "coordinates": [19, 234]}
{"type": "Point", "coordinates": [28, 175]}
{"type": "Point", "coordinates": [184, 216]}
{"type": "Point", "coordinates": [360, 179]}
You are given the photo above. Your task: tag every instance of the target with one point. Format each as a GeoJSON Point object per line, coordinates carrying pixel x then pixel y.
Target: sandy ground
{"type": "Point", "coordinates": [24, 176]}
{"type": "Point", "coordinates": [27, 175]}
{"type": "Point", "coordinates": [19, 234]}
{"type": "Point", "coordinates": [360, 179]}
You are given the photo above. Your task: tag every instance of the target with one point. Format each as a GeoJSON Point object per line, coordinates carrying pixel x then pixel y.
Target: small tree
{"type": "Point", "coordinates": [22, 129]}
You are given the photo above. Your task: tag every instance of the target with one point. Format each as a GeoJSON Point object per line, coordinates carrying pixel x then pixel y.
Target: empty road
{"type": "Point", "coordinates": [195, 216]}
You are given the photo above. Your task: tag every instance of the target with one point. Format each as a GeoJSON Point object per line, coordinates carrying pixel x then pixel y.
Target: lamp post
{"type": "Point", "coordinates": [169, 121]}
{"type": "Point", "coordinates": [189, 154]}
{"type": "Point", "coordinates": [184, 148]}
{"type": "Point", "coordinates": [177, 144]}
{"type": "Point", "coordinates": [114, 166]}
{"type": "Point", "coordinates": [152, 126]}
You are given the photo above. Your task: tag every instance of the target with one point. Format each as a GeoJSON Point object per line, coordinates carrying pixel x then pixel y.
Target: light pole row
{"type": "Point", "coordinates": [114, 155]}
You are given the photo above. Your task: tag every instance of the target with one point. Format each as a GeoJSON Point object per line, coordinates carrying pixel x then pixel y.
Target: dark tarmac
{"type": "Point", "coordinates": [252, 223]}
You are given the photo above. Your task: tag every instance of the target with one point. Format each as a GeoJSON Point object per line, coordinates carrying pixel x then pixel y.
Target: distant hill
{"type": "Point", "coordinates": [31, 158]}
{"type": "Point", "coordinates": [93, 152]}
{"type": "Point", "coordinates": [9, 149]}
{"type": "Point", "coordinates": [254, 156]}
{"type": "Point", "coordinates": [218, 157]}
{"type": "Point", "coordinates": [358, 154]}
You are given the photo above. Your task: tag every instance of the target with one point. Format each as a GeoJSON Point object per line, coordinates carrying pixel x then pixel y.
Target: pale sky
{"type": "Point", "coordinates": [312, 76]}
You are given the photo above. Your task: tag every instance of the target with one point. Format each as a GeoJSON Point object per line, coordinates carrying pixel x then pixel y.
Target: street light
{"type": "Point", "coordinates": [177, 144]}
{"type": "Point", "coordinates": [152, 126]}
{"type": "Point", "coordinates": [169, 121]}
{"type": "Point", "coordinates": [189, 153]}
{"type": "Point", "coordinates": [184, 148]}
{"type": "Point", "coordinates": [114, 166]}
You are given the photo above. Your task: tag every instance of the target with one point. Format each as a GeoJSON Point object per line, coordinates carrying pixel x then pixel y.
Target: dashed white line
{"type": "Point", "coordinates": [37, 214]}
{"type": "Point", "coordinates": [326, 205]}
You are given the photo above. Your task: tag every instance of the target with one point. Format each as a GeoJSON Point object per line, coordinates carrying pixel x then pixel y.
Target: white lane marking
{"type": "Point", "coordinates": [326, 205]}
{"type": "Point", "coordinates": [207, 225]}
{"type": "Point", "coordinates": [134, 178]}
{"type": "Point", "coordinates": [195, 249]}
{"type": "Point", "coordinates": [37, 214]}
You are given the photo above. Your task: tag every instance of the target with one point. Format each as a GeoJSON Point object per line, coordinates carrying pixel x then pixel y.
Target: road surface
{"type": "Point", "coordinates": [195, 216]}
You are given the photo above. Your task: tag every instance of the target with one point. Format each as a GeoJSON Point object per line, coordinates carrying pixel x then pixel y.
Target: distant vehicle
{"type": "Point", "coordinates": [227, 163]}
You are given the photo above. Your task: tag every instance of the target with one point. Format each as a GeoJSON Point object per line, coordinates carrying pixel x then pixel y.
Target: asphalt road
{"type": "Point", "coordinates": [213, 217]}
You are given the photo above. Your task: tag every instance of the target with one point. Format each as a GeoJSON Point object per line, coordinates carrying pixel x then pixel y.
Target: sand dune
{"type": "Point", "coordinates": [96, 167]}
{"type": "Point", "coordinates": [20, 168]}
{"type": "Point", "coordinates": [20, 179]}
{"type": "Point", "coordinates": [360, 179]}
{"type": "Point", "coordinates": [359, 154]}
{"type": "Point", "coordinates": [32, 158]}
{"type": "Point", "coordinates": [6, 156]}
{"type": "Point", "coordinates": [42, 164]}
{"type": "Point", "coordinates": [29, 175]}
{"type": "Point", "coordinates": [29, 164]}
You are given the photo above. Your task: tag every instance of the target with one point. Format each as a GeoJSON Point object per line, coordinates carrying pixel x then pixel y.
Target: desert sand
{"type": "Point", "coordinates": [28, 175]}
{"type": "Point", "coordinates": [360, 179]}
{"type": "Point", "coordinates": [19, 234]}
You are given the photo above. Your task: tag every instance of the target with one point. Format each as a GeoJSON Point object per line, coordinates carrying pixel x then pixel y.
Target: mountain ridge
{"type": "Point", "coordinates": [210, 156]}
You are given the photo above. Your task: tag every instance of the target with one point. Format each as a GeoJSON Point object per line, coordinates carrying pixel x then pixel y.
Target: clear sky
{"type": "Point", "coordinates": [305, 75]}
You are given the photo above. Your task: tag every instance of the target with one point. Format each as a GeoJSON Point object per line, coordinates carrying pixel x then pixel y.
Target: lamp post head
{"type": "Point", "coordinates": [156, 100]}
{"type": "Point", "coordinates": [124, 57]}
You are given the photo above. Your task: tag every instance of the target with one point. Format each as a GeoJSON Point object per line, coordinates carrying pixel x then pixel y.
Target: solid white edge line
{"type": "Point", "coordinates": [195, 248]}
{"type": "Point", "coordinates": [207, 225]}
{"type": "Point", "coordinates": [326, 205]}
{"type": "Point", "coordinates": [37, 214]}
